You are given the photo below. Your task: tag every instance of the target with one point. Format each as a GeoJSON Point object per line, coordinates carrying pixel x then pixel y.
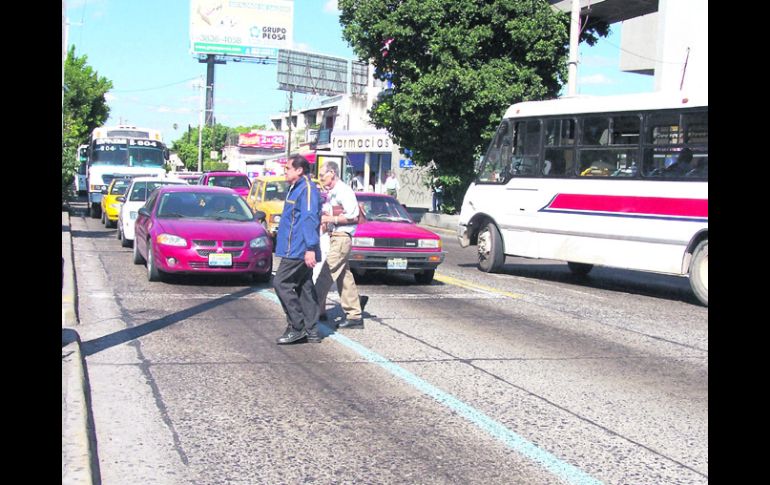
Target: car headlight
{"type": "Point", "coordinates": [258, 242]}
{"type": "Point", "coordinates": [115, 206]}
{"type": "Point", "coordinates": [429, 243]}
{"type": "Point", "coordinates": [171, 240]}
{"type": "Point", "coordinates": [276, 218]}
{"type": "Point", "coordinates": [363, 241]}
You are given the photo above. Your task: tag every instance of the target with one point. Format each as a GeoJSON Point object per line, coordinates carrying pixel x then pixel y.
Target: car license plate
{"type": "Point", "coordinates": [220, 259]}
{"type": "Point", "coordinates": [397, 263]}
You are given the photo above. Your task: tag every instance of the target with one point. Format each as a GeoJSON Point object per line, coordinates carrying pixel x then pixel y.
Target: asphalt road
{"type": "Point", "coordinates": [529, 376]}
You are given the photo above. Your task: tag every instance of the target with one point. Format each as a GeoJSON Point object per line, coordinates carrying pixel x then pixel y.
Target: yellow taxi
{"type": "Point", "coordinates": [267, 194]}
{"type": "Point", "coordinates": [110, 205]}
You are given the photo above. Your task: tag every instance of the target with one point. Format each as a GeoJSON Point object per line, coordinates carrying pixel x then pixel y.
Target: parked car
{"type": "Point", "coordinates": [110, 203]}
{"type": "Point", "coordinates": [134, 198]}
{"type": "Point", "coordinates": [235, 180]}
{"type": "Point", "coordinates": [267, 194]}
{"type": "Point", "coordinates": [195, 229]}
{"type": "Point", "coordinates": [391, 241]}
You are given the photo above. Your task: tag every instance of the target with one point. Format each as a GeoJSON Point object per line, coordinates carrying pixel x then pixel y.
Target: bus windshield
{"type": "Point", "coordinates": [140, 156]}
{"type": "Point", "coordinates": [110, 154]}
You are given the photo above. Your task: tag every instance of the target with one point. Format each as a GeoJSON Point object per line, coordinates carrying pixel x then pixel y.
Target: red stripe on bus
{"type": "Point", "coordinates": [662, 206]}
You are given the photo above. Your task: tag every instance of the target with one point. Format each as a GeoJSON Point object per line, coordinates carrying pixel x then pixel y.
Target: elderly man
{"type": "Point", "coordinates": [343, 201]}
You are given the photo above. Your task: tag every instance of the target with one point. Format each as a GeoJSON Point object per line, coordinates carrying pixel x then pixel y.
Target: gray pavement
{"type": "Point", "coordinates": [80, 463]}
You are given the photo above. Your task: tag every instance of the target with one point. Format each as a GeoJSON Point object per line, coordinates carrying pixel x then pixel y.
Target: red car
{"type": "Point", "coordinates": [195, 229]}
{"type": "Point", "coordinates": [391, 241]}
{"type": "Point", "coordinates": [237, 181]}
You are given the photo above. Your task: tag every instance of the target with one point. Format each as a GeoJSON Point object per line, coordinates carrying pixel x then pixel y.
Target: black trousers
{"type": "Point", "coordinates": [293, 283]}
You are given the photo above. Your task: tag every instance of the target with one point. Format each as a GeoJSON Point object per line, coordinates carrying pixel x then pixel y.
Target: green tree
{"type": "Point", "coordinates": [455, 65]}
{"type": "Point", "coordinates": [214, 138]}
{"type": "Point", "coordinates": [84, 108]}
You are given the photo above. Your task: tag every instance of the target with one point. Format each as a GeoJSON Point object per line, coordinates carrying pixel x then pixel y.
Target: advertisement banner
{"type": "Point", "coordinates": [262, 140]}
{"type": "Point", "coordinates": [241, 28]}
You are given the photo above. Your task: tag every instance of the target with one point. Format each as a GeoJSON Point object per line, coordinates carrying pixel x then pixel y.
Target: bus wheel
{"type": "Point", "coordinates": [580, 269]}
{"type": "Point", "coordinates": [491, 257]}
{"type": "Point", "coordinates": [699, 272]}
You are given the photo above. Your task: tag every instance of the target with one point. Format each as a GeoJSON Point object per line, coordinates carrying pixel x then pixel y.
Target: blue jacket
{"type": "Point", "coordinates": [300, 224]}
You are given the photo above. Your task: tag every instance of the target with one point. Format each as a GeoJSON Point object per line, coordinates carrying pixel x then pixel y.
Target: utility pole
{"type": "Point", "coordinates": [288, 139]}
{"type": "Point", "coordinates": [574, 40]}
{"type": "Point", "coordinates": [200, 126]}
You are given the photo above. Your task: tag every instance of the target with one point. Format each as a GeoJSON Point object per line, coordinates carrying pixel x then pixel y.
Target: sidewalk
{"type": "Point", "coordinates": [79, 464]}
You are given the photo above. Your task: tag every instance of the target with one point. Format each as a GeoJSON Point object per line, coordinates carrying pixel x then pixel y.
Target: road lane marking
{"type": "Point", "coordinates": [474, 286]}
{"type": "Point", "coordinates": [257, 294]}
{"type": "Point", "coordinates": [512, 440]}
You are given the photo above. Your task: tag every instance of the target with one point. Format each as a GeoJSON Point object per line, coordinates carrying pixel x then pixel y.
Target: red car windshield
{"type": "Point", "coordinates": [232, 181]}
{"type": "Point", "coordinates": [383, 209]}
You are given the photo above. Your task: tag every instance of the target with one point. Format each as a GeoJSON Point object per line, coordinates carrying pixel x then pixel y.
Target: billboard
{"type": "Point", "coordinates": [262, 139]}
{"type": "Point", "coordinates": [241, 28]}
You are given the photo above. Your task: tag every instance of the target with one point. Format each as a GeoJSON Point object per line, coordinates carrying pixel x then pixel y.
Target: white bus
{"type": "Point", "coordinates": [618, 181]}
{"type": "Point", "coordinates": [122, 151]}
{"type": "Point", "coordinates": [81, 182]}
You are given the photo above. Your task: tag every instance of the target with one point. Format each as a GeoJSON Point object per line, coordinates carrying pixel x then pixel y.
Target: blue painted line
{"type": "Point", "coordinates": [512, 440]}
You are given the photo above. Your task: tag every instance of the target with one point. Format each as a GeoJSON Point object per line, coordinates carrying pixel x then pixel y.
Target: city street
{"type": "Point", "coordinates": [531, 376]}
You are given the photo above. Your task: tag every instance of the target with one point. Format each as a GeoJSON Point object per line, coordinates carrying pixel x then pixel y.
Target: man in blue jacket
{"type": "Point", "coordinates": [298, 246]}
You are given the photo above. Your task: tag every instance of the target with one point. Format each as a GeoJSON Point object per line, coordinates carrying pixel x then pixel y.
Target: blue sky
{"type": "Point", "coordinates": [142, 46]}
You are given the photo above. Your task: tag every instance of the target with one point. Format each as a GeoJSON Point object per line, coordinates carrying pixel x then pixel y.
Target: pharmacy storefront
{"type": "Point", "coordinates": [372, 154]}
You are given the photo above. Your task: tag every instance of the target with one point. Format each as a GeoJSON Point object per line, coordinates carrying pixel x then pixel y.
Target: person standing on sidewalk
{"type": "Point", "coordinates": [391, 184]}
{"type": "Point", "coordinates": [297, 244]}
{"type": "Point", "coordinates": [341, 228]}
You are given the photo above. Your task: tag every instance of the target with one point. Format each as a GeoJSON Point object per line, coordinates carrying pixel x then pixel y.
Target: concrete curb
{"type": "Point", "coordinates": [80, 465]}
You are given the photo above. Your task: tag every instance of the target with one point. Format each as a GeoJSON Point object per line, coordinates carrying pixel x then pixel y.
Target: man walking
{"type": "Point", "coordinates": [336, 268]}
{"type": "Point", "coordinates": [297, 244]}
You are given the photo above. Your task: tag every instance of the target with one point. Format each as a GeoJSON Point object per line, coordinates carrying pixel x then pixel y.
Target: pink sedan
{"type": "Point", "coordinates": [197, 229]}
{"type": "Point", "coordinates": [391, 241]}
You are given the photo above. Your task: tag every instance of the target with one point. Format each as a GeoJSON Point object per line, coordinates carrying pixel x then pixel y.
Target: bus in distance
{"type": "Point", "coordinates": [81, 182]}
{"type": "Point", "coordinates": [122, 151]}
{"type": "Point", "coordinates": [617, 181]}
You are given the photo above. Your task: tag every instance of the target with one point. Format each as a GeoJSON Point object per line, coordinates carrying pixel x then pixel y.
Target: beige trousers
{"type": "Point", "coordinates": [336, 269]}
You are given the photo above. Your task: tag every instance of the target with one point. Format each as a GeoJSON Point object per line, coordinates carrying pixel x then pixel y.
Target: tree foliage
{"type": "Point", "coordinates": [455, 65]}
{"type": "Point", "coordinates": [214, 138]}
{"type": "Point", "coordinates": [84, 108]}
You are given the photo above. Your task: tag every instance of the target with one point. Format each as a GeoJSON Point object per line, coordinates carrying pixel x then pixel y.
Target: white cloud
{"type": "Point", "coordinates": [109, 97]}
{"type": "Point", "coordinates": [595, 79]}
{"type": "Point", "coordinates": [331, 6]}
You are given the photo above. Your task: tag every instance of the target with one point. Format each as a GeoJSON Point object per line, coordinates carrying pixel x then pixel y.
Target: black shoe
{"type": "Point", "coordinates": [352, 323]}
{"type": "Point", "coordinates": [291, 336]}
{"type": "Point", "coordinates": [314, 338]}
{"type": "Point", "coordinates": [363, 299]}
{"type": "Point", "coordinates": [323, 317]}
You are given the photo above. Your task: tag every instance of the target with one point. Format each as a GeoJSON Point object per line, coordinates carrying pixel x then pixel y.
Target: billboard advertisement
{"type": "Point", "coordinates": [262, 139]}
{"type": "Point", "coordinates": [241, 28]}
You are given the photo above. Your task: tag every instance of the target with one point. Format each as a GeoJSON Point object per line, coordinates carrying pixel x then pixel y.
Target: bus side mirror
{"type": "Point", "coordinates": [166, 154]}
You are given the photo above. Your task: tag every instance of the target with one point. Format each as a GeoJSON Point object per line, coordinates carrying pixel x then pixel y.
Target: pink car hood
{"type": "Point", "coordinates": [394, 230]}
{"type": "Point", "coordinates": [210, 230]}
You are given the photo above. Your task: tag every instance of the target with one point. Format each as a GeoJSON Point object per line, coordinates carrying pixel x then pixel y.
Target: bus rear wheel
{"type": "Point", "coordinates": [699, 272]}
{"type": "Point", "coordinates": [491, 256]}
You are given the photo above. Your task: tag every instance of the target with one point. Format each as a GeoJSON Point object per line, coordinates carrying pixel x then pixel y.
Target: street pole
{"type": "Point", "coordinates": [574, 40]}
{"type": "Point", "coordinates": [288, 140]}
{"type": "Point", "coordinates": [200, 128]}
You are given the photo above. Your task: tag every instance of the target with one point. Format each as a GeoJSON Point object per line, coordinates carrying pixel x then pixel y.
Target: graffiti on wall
{"type": "Point", "coordinates": [413, 191]}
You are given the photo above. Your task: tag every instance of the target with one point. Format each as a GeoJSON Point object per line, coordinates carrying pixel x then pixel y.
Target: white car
{"type": "Point", "coordinates": [135, 197]}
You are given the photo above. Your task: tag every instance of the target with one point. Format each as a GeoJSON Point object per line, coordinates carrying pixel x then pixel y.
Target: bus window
{"type": "Point", "coordinates": [559, 159]}
{"type": "Point", "coordinates": [499, 150]}
{"type": "Point", "coordinates": [595, 131]}
{"type": "Point", "coordinates": [616, 162]}
{"type": "Point", "coordinates": [526, 148]}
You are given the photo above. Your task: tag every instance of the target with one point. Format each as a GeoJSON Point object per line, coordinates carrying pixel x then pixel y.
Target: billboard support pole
{"type": "Point", "coordinates": [210, 90]}
{"type": "Point", "coordinates": [288, 138]}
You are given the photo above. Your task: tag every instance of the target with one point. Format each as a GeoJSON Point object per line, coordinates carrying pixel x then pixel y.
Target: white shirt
{"type": "Point", "coordinates": [343, 195]}
{"type": "Point", "coordinates": [392, 183]}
